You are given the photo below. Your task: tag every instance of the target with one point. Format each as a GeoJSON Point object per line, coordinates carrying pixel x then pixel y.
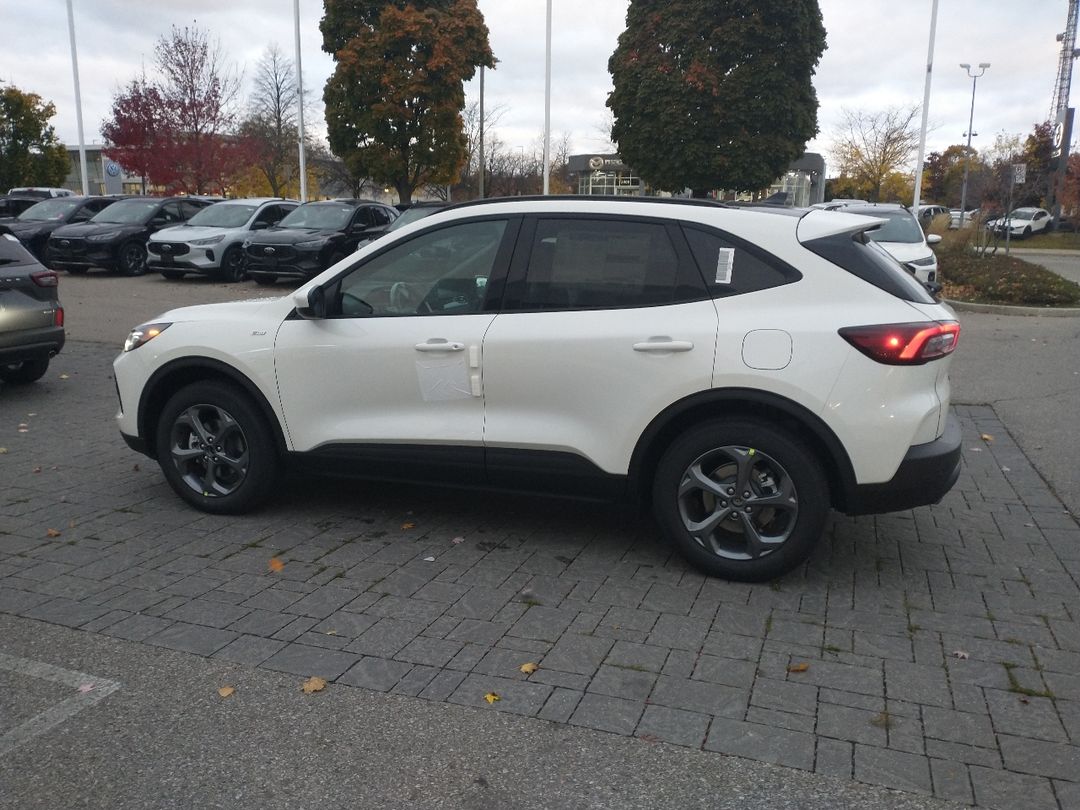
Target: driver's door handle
{"type": "Point", "coordinates": [440, 345]}
{"type": "Point", "coordinates": [663, 344]}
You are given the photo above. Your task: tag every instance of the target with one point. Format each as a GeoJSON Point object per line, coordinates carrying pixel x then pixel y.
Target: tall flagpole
{"type": "Point", "coordinates": [78, 101]}
{"type": "Point", "coordinates": [547, 107]}
{"type": "Point", "coordinates": [925, 109]}
{"type": "Point", "coordinates": [299, 102]}
{"type": "Point", "coordinates": [481, 132]}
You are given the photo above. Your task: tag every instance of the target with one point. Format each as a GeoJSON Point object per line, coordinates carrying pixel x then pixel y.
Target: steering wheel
{"type": "Point", "coordinates": [404, 298]}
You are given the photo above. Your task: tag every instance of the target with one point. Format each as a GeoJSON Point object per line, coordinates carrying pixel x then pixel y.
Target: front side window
{"type": "Point", "coordinates": [441, 272]}
{"type": "Point", "coordinates": [604, 264]}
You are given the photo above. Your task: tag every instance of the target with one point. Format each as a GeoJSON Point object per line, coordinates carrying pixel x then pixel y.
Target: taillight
{"type": "Point", "coordinates": [58, 316]}
{"type": "Point", "coordinates": [45, 278]}
{"type": "Point", "coordinates": [904, 344]}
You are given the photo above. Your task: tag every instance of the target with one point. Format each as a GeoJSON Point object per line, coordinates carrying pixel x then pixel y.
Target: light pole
{"type": "Point", "coordinates": [971, 120]}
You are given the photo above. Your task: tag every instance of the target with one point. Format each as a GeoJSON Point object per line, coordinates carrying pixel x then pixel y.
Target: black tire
{"type": "Point", "coordinates": [787, 507]}
{"type": "Point", "coordinates": [131, 259]}
{"type": "Point", "coordinates": [27, 371]}
{"type": "Point", "coordinates": [1027, 232]}
{"type": "Point", "coordinates": [232, 265]}
{"type": "Point", "coordinates": [264, 279]}
{"type": "Point", "coordinates": [216, 449]}
{"type": "Point", "coordinates": [173, 275]}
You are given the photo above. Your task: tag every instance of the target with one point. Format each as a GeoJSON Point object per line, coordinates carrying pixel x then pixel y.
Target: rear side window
{"type": "Point", "coordinates": [856, 253]}
{"type": "Point", "coordinates": [731, 267]}
{"type": "Point", "coordinates": [605, 264]}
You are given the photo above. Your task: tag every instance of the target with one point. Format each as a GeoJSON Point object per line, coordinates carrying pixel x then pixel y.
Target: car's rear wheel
{"type": "Point", "coordinates": [232, 264]}
{"type": "Point", "coordinates": [741, 499]}
{"type": "Point", "coordinates": [25, 372]}
{"type": "Point", "coordinates": [131, 259]}
{"type": "Point", "coordinates": [216, 449]}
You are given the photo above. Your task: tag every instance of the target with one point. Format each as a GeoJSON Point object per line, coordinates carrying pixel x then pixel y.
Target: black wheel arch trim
{"type": "Point", "coordinates": [749, 402]}
{"type": "Point", "coordinates": [174, 375]}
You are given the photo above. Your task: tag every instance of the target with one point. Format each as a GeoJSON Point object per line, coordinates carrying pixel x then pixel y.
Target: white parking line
{"type": "Point", "coordinates": [54, 716]}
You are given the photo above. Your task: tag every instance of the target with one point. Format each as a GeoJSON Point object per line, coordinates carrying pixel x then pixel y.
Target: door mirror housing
{"type": "Point", "coordinates": [310, 305]}
{"type": "Point", "coordinates": [933, 239]}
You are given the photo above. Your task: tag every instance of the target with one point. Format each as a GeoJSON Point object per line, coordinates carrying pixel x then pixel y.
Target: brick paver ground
{"type": "Point", "coordinates": [933, 651]}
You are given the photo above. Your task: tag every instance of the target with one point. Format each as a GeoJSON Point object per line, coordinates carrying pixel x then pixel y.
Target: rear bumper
{"type": "Point", "coordinates": [926, 474]}
{"type": "Point", "coordinates": [46, 342]}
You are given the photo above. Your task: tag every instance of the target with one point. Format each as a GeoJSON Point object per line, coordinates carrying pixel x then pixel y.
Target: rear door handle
{"type": "Point", "coordinates": [440, 345]}
{"type": "Point", "coordinates": [663, 345]}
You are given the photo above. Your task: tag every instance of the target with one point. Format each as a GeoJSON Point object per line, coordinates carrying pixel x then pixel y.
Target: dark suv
{"type": "Point", "coordinates": [116, 237]}
{"type": "Point", "coordinates": [35, 225]}
{"type": "Point", "coordinates": [313, 237]}
{"type": "Point", "coordinates": [31, 318]}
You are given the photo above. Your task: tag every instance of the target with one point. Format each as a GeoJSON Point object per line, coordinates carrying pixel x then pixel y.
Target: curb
{"type": "Point", "coordinates": [1006, 309]}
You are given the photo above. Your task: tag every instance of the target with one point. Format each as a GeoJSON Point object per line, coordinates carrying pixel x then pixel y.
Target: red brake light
{"type": "Point", "coordinates": [45, 278]}
{"type": "Point", "coordinates": [58, 316]}
{"type": "Point", "coordinates": [904, 344]}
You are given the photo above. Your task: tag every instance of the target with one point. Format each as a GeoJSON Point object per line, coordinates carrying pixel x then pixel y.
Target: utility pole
{"type": "Point", "coordinates": [925, 109]}
{"type": "Point", "coordinates": [971, 120]}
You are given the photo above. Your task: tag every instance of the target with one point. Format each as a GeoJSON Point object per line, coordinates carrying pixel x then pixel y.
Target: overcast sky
{"type": "Point", "coordinates": [876, 58]}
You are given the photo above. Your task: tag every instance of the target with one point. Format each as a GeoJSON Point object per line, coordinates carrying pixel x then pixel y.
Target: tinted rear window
{"type": "Point", "coordinates": [857, 254]}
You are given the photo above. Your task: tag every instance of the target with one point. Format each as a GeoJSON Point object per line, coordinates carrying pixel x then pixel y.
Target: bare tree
{"type": "Point", "coordinates": [869, 146]}
{"type": "Point", "coordinates": [271, 123]}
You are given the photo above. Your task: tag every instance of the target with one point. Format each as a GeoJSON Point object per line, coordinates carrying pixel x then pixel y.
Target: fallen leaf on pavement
{"type": "Point", "coordinates": [963, 656]}
{"type": "Point", "coordinates": [1006, 469]}
{"type": "Point", "coordinates": [429, 559]}
{"type": "Point", "coordinates": [313, 684]}
{"type": "Point", "coordinates": [53, 533]}
{"type": "Point", "coordinates": [37, 470]}
{"type": "Point", "coordinates": [276, 564]}
{"type": "Point", "coordinates": [408, 525]}
{"type": "Point", "coordinates": [86, 687]}
{"type": "Point", "coordinates": [135, 468]}
{"type": "Point", "coordinates": [986, 437]}
{"type": "Point", "coordinates": [1024, 700]}
{"type": "Point", "coordinates": [491, 697]}
{"type": "Point", "coordinates": [975, 449]}
{"type": "Point", "coordinates": [63, 376]}
{"type": "Point", "coordinates": [3, 451]}
{"type": "Point", "coordinates": [225, 691]}
{"type": "Point", "coordinates": [457, 540]}
{"type": "Point", "coordinates": [799, 667]}
{"type": "Point", "coordinates": [652, 738]}
{"type": "Point", "coordinates": [331, 632]}
{"type": "Point", "coordinates": [529, 668]}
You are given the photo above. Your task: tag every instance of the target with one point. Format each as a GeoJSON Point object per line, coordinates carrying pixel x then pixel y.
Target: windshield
{"type": "Point", "coordinates": [898, 226]}
{"type": "Point", "coordinates": [56, 208]}
{"type": "Point", "coordinates": [223, 215]}
{"type": "Point", "coordinates": [128, 212]}
{"type": "Point", "coordinates": [413, 214]}
{"type": "Point", "coordinates": [321, 216]}
{"type": "Point", "coordinates": [1019, 213]}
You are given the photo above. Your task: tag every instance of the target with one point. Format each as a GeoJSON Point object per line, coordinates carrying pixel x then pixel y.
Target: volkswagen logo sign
{"type": "Point", "coordinates": [166, 248]}
{"type": "Point", "coordinates": [269, 251]}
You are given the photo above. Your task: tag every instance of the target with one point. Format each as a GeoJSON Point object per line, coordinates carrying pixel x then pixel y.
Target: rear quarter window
{"type": "Point", "coordinates": [733, 267]}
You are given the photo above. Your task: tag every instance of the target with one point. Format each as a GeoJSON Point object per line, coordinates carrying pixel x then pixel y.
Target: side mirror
{"type": "Point", "coordinates": [933, 239]}
{"type": "Point", "coordinates": [310, 306]}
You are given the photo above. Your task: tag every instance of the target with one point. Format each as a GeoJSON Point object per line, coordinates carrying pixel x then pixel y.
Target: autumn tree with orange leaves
{"type": "Point", "coordinates": [394, 102]}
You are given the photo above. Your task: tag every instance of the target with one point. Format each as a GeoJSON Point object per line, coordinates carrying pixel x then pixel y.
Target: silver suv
{"type": "Point", "coordinates": [211, 242]}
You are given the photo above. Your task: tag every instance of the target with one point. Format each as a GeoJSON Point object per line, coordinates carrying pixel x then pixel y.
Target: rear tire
{"type": "Point", "coordinates": [27, 371]}
{"type": "Point", "coordinates": [216, 449]}
{"type": "Point", "coordinates": [741, 499]}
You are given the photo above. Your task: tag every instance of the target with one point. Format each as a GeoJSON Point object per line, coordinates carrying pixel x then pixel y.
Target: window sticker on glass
{"type": "Point", "coordinates": [724, 261]}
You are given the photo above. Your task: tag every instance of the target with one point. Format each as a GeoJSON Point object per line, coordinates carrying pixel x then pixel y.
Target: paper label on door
{"type": "Point", "coordinates": [725, 260]}
{"type": "Point", "coordinates": [444, 379]}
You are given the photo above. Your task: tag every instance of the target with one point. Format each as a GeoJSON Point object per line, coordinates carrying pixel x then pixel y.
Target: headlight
{"type": "Point", "coordinates": [312, 243]}
{"type": "Point", "coordinates": [210, 240]}
{"type": "Point", "coordinates": [143, 334]}
{"type": "Point", "coordinates": [929, 261]}
{"type": "Point", "coordinates": [103, 237]}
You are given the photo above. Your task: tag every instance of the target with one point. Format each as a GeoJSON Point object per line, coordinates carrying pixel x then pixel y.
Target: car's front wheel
{"type": "Point", "coordinates": [25, 372]}
{"type": "Point", "coordinates": [216, 449]}
{"type": "Point", "coordinates": [131, 259]}
{"type": "Point", "coordinates": [232, 264]}
{"type": "Point", "coordinates": [740, 499]}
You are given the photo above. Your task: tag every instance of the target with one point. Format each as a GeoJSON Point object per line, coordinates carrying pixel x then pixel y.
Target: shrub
{"type": "Point", "coordinates": [998, 279]}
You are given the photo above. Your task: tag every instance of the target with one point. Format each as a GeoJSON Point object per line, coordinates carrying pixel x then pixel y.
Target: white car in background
{"type": "Point", "coordinates": [902, 237]}
{"type": "Point", "coordinates": [211, 242]}
{"type": "Point", "coordinates": [1022, 222]}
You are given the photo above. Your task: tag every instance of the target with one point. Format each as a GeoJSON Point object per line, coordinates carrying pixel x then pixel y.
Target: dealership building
{"type": "Point", "coordinates": [103, 176]}
{"type": "Point", "coordinates": [803, 184]}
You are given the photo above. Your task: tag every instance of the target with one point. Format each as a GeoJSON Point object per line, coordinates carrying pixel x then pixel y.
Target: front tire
{"type": "Point", "coordinates": [131, 259]}
{"type": "Point", "coordinates": [232, 264]}
{"type": "Point", "coordinates": [741, 499]}
{"type": "Point", "coordinates": [216, 449]}
{"type": "Point", "coordinates": [27, 371]}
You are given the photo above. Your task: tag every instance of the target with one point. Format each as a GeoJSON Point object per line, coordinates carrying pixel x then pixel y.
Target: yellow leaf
{"type": "Point", "coordinates": [408, 525]}
{"type": "Point", "coordinates": [225, 691]}
{"type": "Point", "coordinates": [63, 376]}
{"type": "Point", "coordinates": [799, 667]}
{"type": "Point", "coordinates": [986, 437]}
{"type": "Point", "coordinates": [491, 697]}
{"type": "Point", "coordinates": [331, 632]}
{"type": "Point", "coordinates": [313, 684]}
{"type": "Point", "coordinates": [53, 533]}
{"type": "Point", "coordinates": [529, 668]}
{"type": "Point", "coordinates": [3, 451]}
{"type": "Point", "coordinates": [276, 564]}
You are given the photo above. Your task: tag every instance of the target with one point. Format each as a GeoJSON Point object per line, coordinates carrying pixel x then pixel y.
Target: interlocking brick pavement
{"type": "Point", "coordinates": [941, 645]}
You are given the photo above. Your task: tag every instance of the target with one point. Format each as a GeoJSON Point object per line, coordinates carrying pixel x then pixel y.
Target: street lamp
{"type": "Point", "coordinates": [971, 119]}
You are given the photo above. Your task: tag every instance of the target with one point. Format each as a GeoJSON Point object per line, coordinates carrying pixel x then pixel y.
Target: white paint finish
{"type": "Point", "coordinates": [364, 380]}
{"type": "Point", "coordinates": [55, 715]}
{"type": "Point", "coordinates": [572, 381]}
{"type": "Point", "coordinates": [767, 349]}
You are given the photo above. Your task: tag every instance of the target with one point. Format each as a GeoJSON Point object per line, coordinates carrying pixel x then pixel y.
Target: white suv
{"type": "Point", "coordinates": [742, 369]}
{"type": "Point", "coordinates": [211, 242]}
